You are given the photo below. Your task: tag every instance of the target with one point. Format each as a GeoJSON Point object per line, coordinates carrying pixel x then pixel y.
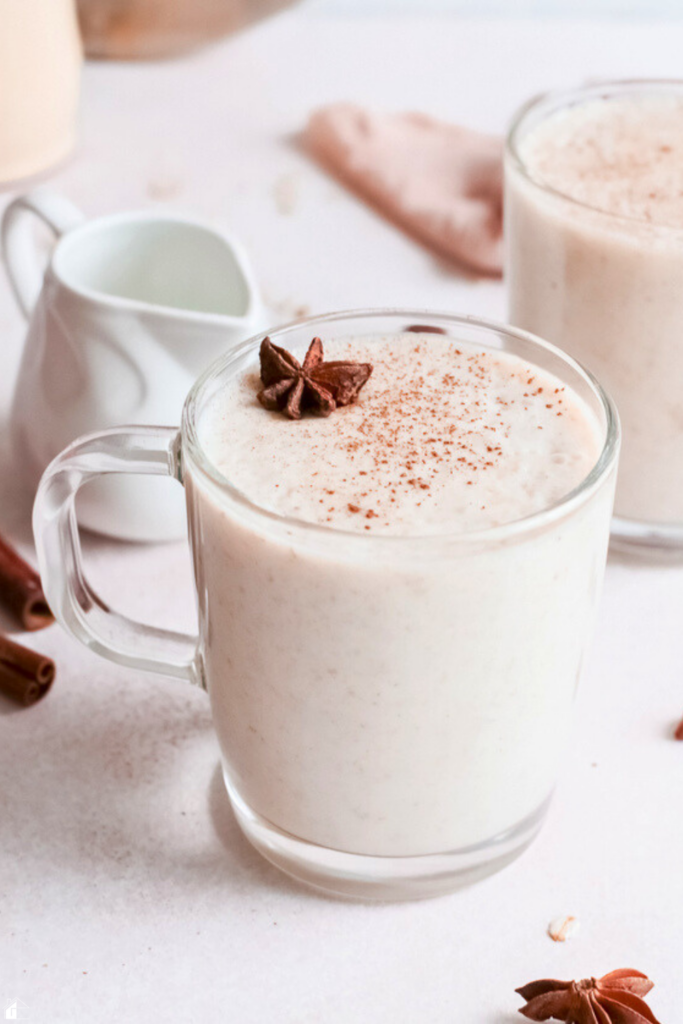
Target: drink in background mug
{"type": "Point", "coordinates": [594, 238]}
{"type": "Point", "coordinates": [129, 311]}
{"type": "Point", "coordinates": [40, 72]}
{"type": "Point", "coordinates": [391, 709]}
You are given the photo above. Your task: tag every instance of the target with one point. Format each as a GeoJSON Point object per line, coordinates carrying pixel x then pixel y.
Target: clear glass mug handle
{"type": "Point", "coordinates": [143, 450]}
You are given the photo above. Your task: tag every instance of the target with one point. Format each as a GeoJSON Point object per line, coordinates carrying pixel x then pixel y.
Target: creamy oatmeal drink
{"type": "Point", "coordinates": [594, 226]}
{"type": "Point", "coordinates": [399, 535]}
{"type": "Point", "coordinates": [395, 597]}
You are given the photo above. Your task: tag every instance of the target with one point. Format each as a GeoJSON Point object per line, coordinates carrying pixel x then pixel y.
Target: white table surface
{"type": "Point", "coordinates": [126, 890]}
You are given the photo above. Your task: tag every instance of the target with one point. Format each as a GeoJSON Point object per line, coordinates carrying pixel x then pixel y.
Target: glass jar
{"type": "Point", "coordinates": [40, 68]}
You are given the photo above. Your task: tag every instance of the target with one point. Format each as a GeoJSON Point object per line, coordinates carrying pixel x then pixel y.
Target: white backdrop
{"type": "Point", "coordinates": [649, 9]}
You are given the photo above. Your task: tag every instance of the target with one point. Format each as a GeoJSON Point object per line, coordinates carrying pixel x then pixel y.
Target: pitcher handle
{"type": "Point", "coordinates": [144, 450]}
{"type": "Point", "coordinates": [22, 260]}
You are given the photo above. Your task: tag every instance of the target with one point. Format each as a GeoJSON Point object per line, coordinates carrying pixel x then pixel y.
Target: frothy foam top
{"type": "Point", "coordinates": [623, 156]}
{"type": "Point", "coordinates": [444, 438]}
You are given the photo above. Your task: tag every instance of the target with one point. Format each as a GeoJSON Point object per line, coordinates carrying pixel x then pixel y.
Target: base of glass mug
{"type": "Point", "coordinates": [661, 541]}
{"type": "Point", "coordinates": [357, 876]}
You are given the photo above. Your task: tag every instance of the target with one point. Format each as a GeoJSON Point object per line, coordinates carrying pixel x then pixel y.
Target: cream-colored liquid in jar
{"type": "Point", "coordinates": [366, 698]}
{"type": "Point", "coordinates": [602, 276]}
{"type": "Point", "coordinates": [40, 67]}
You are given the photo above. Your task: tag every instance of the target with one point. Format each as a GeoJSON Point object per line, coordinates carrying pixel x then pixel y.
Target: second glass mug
{"type": "Point", "coordinates": [391, 711]}
{"type": "Point", "coordinates": [608, 289]}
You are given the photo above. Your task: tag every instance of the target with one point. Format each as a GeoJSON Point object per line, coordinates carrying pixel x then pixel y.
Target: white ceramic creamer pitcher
{"type": "Point", "coordinates": [129, 311]}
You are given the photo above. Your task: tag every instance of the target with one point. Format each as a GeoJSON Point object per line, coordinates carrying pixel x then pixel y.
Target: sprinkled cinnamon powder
{"type": "Point", "coordinates": [624, 156]}
{"type": "Point", "coordinates": [444, 438]}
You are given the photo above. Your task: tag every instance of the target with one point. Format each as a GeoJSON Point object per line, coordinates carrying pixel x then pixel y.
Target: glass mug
{"type": "Point", "coordinates": [391, 711]}
{"type": "Point", "coordinates": [607, 289]}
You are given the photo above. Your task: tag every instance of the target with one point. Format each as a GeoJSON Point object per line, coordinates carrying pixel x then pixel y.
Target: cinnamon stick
{"type": "Point", "coordinates": [25, 675]}
{"type": "Point", "coordinates": [21, 592]}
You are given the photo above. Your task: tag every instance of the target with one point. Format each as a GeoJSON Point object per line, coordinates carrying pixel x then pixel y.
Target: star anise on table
{"type": "Point", "coordinates": [290, 387]}
{"type": "Point", "coordinates": [616, 998]}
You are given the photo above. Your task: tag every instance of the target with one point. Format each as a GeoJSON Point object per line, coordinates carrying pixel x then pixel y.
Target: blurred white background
{"type": "Point", "coordinates": [510, 8]}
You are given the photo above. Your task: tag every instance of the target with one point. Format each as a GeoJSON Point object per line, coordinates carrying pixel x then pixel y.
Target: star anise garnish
{"type": "Point", "coordinates": [615, 998]}
{"type": "Point", "coordinates": [291, 387]}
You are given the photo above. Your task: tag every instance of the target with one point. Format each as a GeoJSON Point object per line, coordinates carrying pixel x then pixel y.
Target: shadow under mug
{"type": "Point", "coordinates": [391, 710]}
